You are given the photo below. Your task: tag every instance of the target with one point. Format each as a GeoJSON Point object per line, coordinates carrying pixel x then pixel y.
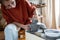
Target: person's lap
{"type": "Point", "coordinates": [11, 32]}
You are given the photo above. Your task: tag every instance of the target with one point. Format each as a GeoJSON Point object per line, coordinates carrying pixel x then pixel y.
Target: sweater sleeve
{"type": "Point", "coordinates": [30, 9]}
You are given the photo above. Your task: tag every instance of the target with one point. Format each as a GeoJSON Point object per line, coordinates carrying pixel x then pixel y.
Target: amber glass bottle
{"type": "Point", "coordinates": [21, 34]}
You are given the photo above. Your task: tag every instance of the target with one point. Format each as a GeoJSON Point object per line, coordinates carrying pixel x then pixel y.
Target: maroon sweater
{"type": "Point", "coordinates": [20, 13]}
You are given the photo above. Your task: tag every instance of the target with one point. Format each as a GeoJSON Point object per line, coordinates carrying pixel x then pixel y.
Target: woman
{"type": "Point", "coordinates": [17, 13]}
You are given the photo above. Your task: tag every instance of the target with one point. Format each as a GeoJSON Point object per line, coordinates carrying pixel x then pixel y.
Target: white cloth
{"type": "Point", "coordinates": [11, 32]}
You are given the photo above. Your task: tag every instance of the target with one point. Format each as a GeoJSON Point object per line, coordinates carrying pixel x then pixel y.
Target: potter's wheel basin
{"type": "Point", "coordinates": [52, 33]}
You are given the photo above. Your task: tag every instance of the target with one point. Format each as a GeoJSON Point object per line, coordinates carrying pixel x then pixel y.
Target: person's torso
{"type": "Point", "coordinates": [18, 14]}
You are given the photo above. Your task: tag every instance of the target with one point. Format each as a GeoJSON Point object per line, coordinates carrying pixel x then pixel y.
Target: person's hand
{"type": "Point", "coordinates": [9, 4]}
{"type": "Point", "coordinates": [26, 27]}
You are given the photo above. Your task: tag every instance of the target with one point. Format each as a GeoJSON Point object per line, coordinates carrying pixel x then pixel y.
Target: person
{"type": "Point", "coordinates": [18, 14]}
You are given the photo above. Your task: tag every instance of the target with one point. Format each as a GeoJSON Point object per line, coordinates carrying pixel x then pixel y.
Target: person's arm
{"type": "Point", "coordinates": [30, 9]}
{"type": "Point", "coordinates": [21, 25]}
{"type": "Point", "coordinates": [16, 23]}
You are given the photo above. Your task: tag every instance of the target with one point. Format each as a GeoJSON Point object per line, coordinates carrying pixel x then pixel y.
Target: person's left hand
{"type": "Point", "coordinates": [9, 4]}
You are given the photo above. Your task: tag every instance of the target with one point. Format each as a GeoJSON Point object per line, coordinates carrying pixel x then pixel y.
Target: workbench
{"type": "Point", "coordinates": [29, 36]}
